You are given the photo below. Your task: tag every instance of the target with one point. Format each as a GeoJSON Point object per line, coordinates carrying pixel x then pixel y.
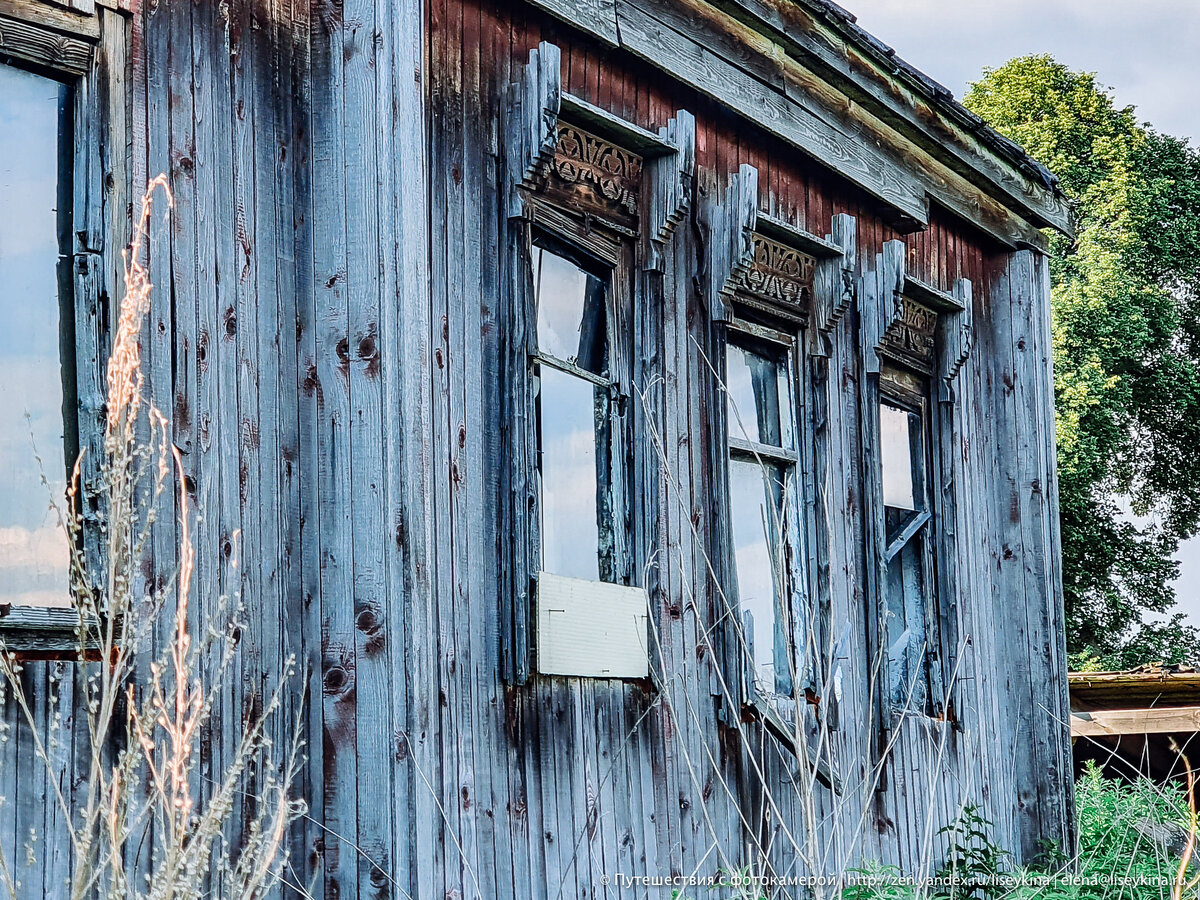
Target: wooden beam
{"type": "Point", "coordinates": [1135, 721]}
{"type": "Point", "coordinates": [700, 68]}
{"type": "Point", "coordinates": [749, 72]}
{"type": "Point", "coordinates": [36, 44]}
{"type": "Point", "coordinates": [39, 13]}
{"type": "Point", "coordinates": [39, 630]}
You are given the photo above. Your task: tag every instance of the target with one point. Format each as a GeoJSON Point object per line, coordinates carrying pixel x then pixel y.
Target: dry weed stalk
{"type": "Point", "coordinates": [143, 825]}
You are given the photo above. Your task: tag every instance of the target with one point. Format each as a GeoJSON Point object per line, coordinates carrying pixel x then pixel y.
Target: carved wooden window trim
{"type": "Point", "coordinates": [776, 338]}
{"type": "Point", "coordinates": [58, 43]}
{"type": "Point", "coordinates": [806, 297]}
{"type": "Point", "coordinates": [927, 332]}
{"type": "Point", "coordinates": [608, 189]}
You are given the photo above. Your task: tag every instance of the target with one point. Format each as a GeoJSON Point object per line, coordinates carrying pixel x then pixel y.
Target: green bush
{"type": "Point", "coordinates": [1130, 841]}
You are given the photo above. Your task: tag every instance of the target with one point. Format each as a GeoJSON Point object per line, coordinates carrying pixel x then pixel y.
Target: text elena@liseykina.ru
{"type": "Point", "coordinates": [737, 879]}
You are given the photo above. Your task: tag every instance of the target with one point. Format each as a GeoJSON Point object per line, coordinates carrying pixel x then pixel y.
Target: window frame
{"type": "Point", "coordinates": [60, 45]}
{"type": "Point", "coordinates": [922, 524]}
{"type": "Point", "coordinates": [745, 328]}
{"type": "Point", "coordinates": [590, 250]}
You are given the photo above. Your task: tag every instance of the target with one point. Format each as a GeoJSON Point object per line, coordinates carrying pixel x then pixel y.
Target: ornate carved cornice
{"type": "Point", "coordinates": [779, 275]}
{"type": "Point", "coordinates": [595, 175]}
{"type": "Point", "coordinates": [911, 336]}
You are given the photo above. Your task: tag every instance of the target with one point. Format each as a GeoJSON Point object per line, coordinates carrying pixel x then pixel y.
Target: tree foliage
{"type": "Point", "coordinates": [1126, 321]}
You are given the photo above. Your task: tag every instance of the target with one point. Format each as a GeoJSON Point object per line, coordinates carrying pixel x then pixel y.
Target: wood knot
{"type": "Point", "coordinates": [367, 621]}
{"type": "Point", "coordinates": [311, 382]}
{"type": "Point", "coordinates": [336, 681]}
{"type": "Point", "coordinates": [230, 322]}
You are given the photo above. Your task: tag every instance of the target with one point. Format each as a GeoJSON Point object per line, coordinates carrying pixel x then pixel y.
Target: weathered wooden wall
{"type": "Point", "coordinates": [325, 328]}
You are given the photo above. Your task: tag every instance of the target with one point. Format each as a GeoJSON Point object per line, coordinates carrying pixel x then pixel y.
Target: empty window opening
{"type": "Point", "coordinates": [906, 464]}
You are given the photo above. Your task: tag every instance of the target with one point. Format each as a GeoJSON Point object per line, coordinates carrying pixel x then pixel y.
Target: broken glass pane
{"type": "Point", "coordinates": [756, 509]}
{"type": "Point", "coordinates": [754, 385]}
{"type": "Point", "coordinates": [33, 548]}
{"type": "Point", "coordinates": [906, 625]}
{"type": "Point", "coordinates": [571, 321]}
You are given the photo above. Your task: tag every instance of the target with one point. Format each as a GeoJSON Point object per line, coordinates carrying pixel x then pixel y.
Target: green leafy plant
{"type": "Point", "coordinates": [973, 862]}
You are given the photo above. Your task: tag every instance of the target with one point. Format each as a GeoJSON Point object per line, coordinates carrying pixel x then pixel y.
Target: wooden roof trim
{"type": "Point", "coordinates": [829, 39]}
{"type": "Point", "coordinates": [1116, 679]}
{"type": "Point", "coordinates": [748, 72]}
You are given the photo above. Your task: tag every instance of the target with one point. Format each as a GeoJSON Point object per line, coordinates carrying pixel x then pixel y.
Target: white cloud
{"type": "Point", "coordinates": [33, 566]}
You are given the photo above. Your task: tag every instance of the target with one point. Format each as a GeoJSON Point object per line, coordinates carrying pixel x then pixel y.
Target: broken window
{"type": "Point", "coordinates": [37, 343]}
{"type": "Point", "coordinates": [905, 435]}
{"type": "Point", "coordinates": [575, 396]}
{"type": "Point", "coordinates": [762, 470]}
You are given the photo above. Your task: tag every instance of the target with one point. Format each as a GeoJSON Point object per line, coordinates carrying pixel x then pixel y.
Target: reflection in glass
{"type": "Point", "coordinates": [570, 535]}
{"type": "Point", "coordinates": [33, 549]}
{"type": "Point", "coordinates": [756, 511]}
{"type": "Point", "coordinates": [573, 420]}
{"type": "Point", "coordinates": [752, 383]}
{"type": "Point", "coordinates": [906, 625]}
{"type": "Point", "coordinates": [571, 312]}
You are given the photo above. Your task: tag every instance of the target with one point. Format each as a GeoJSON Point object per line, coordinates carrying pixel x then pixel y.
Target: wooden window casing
{"type": "Point", "coordinates": [911, 545]}
{"type": "Point", "coordinates": [58, 44]}
{"type": "Point", "coordinates": [919, 352]}
{"type": "Point", "coordinates": [776, 457]}
{"type": "Point", "coordinates": [605, 249]}
{"type": "Point", "coordinates": [606, 260]}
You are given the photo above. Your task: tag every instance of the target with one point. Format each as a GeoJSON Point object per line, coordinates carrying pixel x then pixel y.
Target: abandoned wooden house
{"type": "Point", "coordinates": [636, 416]}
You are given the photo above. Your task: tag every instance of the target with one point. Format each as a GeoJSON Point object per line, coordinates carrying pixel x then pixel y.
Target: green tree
{"type": "Point", "coordinates": [1126, 320]}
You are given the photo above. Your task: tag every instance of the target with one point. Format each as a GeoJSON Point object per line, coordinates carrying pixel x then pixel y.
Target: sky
{"type": "Point", "coordinates": [1148, 52]}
